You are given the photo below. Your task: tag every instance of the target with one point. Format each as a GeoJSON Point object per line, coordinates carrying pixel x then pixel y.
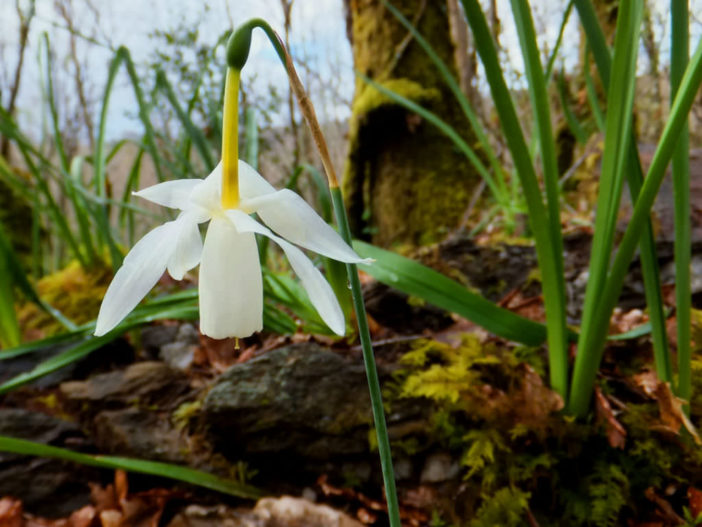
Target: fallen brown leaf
{"type": "Point", "coordinates": [671, 411]}
{"type": "Point", "coordinates": [366, 516]}
{"type": "Point", "coordinates": [695, 498]}
{"type": "Point", "coordinates": [665, 509]}
{"type": "Point", "coordinates": [531, 402]}
{"type": "Point", "coordinates": [83, 517]}
{"type": "Point", "coordinates": [647, 381]}
{"type": "Point", "coordinates": [121, 485]}
{"type": "Point", "coordinates": [11, 512]}
{"type": "Point", "coordinates": [616, 433]}
{"type": "Point", "coordinates": [409, 515]}
{"type": "Point", "coordinates": [111, 518]}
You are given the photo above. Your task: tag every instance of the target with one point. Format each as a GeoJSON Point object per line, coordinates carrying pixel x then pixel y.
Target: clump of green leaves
{"type": "Point", "coordinates": [517, 459]}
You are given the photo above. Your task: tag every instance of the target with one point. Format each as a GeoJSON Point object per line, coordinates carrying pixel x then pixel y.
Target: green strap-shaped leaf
{"type": "Point", "coordinates": [418, 280]}
{"type": "Point", "coordinates": [153, 468]}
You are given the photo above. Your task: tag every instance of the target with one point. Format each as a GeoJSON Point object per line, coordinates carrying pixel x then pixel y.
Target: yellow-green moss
{"type": "Point", "coordinates": [370, 98]}
{"type": "Point", "coordinates": [75, 291]}
{"type": "Point", "coordinates": [182, 415]}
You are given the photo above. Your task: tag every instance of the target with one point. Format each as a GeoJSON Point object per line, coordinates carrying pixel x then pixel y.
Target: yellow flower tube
{"type": "Point", "coordinates": [230, 141]}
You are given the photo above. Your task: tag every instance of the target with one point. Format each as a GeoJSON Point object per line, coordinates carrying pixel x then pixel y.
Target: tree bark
{"type": "Point", "coordinates": [404, 181]}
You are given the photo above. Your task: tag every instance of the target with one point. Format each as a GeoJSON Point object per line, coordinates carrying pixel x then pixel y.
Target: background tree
{"type": "Point", "coordinates": [25, 16]}
{"type": "Point", "coordinates": [404, 181]}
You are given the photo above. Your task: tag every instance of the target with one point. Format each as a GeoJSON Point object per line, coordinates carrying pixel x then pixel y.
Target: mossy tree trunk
{"type": "Point", "coordinates": [404, 181]}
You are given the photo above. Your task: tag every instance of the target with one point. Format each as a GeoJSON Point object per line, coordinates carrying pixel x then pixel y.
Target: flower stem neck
{"type": "Point", "coordinates": [230, 141]}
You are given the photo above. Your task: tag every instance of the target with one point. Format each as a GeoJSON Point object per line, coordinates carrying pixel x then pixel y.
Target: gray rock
{"type": "Point", "coordinates": [142, 382]}
{"type": "Point", "coordinates": [300, 398]}
{"type": "Point", "coordinates": [179, 353]}
{"type": "Point", "coordinates": [48, 487]}
{"type": "Point", "coordinates": [439, 467]}
{"type": "Point", "coordinates": [154, 337]}
{"type": "Point", "coordinates": [285, 511]}
{"type": "Point", "coordinates": [138, 433]}
{"type": "Point", "coordinates": [403, 468]}
{"type": "Point", "coordinates": [115, 352]}
{"type": "Point", "coordinates": [128, 412]}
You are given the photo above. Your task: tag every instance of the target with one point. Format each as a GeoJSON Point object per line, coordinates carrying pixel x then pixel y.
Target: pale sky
{"type": "Point", "coordinates": [319, 34]}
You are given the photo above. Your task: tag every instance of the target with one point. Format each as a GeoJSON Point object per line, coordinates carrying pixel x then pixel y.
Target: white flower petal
{"type": "Point", "coordinates": [208, 194]}
{"type": "Point", "coordinates": [187, 246]}
{"type": "Point", "coordinates": [292, 218]}
{"type": "Point", "coordinates": [140, 271]}
{"type": "Point", "coordinates": [231, 287]}
{"type": "Point", "coordinates": [251, 183]}
{"type": "Point", "coordinates": [321, 294]}
{"type": "Point", "coordinates": [173, 194]}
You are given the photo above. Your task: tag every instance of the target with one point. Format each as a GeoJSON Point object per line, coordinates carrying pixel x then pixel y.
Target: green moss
{"type": "Point", "coordinates": [182, 415]}
{"type": "Point", "coordinates": [444, 373]}
{"type": "Point", "coordinates": [484, 445]}
{"type": "Point", "coordinates": [507, 507]}
{"type": "Point", "coordinates": [371, 99]}
{"type": "Point", "coordinates": [75, 291]}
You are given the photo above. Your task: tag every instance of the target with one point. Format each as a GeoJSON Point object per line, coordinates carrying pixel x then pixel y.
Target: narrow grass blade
{"type": "Point", "coordinates": [193, 132]}
{"type": "Point", "coordinates": [649, 259]}
{"type": "Point", "coordinates": [573, 123]}
{"type": "Point", "coordinates": [679, 53]}
{"type": "Point", "coordinates": [592, 98]}
{"type": "Point", "coordinates": [547, 254]}
{"type": "Point", "coordinates": [283, 289]}
{"type": "Point", "coordinates": [559, 41]}
{"type": "Point", "coordinates": [74, 180]}
{"type": "Point", "coordinates": [10, 334]}
{"type": "Point", "coordinates": [48, 92]}
{"type": "Point", "coordinates": [121, 55]}
{"type": "Point", "coordinates": [420, 281]}
{"type": "Point", "coordinates": [277, 321]}
{"type": "Point", "coordinates": [153, 468]}
{"type": "Point", "coordinates": [251, 137]}
{"type": "Point", "coordinates": [126, 215]}
{"type": "Point", "coordinates": [18, 279]}
{"type": "Point", "coordinates": [669, 139]}
{"type": "Point", "coordinates": [9, 128]}
{"type": "Point", "coordinates": [620, 96]}
{"type": "Point", "coordinates": [82, 349]}
{"type": "Point", "coordinates": [547, 146]}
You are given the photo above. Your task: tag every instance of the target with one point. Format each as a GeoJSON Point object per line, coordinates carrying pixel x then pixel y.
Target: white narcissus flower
{"type": "Point", "coordinates": [230, 286]}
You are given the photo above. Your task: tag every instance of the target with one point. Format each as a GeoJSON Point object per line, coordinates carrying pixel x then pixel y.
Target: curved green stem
{"type": "Point", "coordinates": [240, 43]}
